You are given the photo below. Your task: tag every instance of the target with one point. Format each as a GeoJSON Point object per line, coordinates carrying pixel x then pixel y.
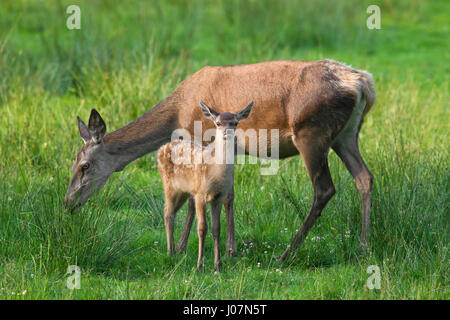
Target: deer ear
{"type": "Point", "coordinates": [244, 113]}
{"type": "Point", "coordinates": [97, 127]}
{"type": "Point", "coordinates": [84, 131]}
{"type": "Point", "coordinates": [208, 112]}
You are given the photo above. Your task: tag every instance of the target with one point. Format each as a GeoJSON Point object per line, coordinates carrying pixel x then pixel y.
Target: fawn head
{"type": "Point", "coordinates": [93, 164]}
{"type": "Point", "coordinates": [225, 122]}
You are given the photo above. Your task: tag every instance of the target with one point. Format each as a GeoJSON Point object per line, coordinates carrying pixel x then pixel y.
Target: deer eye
{"type": "Point", "coordinates": [85, 166]}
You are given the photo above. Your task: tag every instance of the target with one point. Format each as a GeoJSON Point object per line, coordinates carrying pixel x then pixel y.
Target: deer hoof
{"type": "Point", "coordinates": [284, 256]}
{"type": "Point", "coordinates": [231, 253]}
{"type": "Point", "coordinates": [180, 249]}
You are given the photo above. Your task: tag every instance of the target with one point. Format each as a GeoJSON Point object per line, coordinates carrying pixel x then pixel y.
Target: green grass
{"type": "Point", "coordinates": [126, 58]}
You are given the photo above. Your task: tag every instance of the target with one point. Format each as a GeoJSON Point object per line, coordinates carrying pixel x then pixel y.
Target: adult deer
{"type": "Point", "coordinates": [315, 105]}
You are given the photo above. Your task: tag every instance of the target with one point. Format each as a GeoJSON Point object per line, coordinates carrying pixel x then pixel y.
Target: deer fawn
{"type": "Point", "coordinates": [315, 105]}
{"type": "Point", "coordinates": [197, 176]}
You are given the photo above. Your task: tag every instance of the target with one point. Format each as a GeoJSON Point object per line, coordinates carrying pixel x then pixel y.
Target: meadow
{"type": "Point", "coordinates": [130, 55]}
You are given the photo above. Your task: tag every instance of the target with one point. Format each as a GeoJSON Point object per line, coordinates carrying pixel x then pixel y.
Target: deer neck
{"type": "Point", "coordinates": [224, 154]}
{"type": "Point", "coordinates": [144, 135]}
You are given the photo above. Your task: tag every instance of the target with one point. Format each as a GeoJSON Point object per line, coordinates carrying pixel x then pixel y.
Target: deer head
{"type": "Point", "coordinates": [225, 122]}
{"type": "Point", "coordinates": [93, 164]}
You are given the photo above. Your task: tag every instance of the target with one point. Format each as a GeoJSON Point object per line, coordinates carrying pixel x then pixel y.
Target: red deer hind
{"type": "Point", "coordinates": [315, 105]}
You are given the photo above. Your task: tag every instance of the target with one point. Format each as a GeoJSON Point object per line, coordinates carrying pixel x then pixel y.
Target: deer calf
{"type": "Point", "coordinates": [206, 173]}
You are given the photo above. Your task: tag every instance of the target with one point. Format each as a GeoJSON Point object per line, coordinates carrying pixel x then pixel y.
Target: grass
{"type": "Point", "coordinates": [128, 57]}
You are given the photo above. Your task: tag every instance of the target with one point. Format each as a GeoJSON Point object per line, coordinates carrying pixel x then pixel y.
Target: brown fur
{"type": "Point", "coordinates": [316, 105]}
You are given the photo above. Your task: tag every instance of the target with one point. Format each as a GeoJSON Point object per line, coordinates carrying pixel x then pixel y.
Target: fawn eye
{"type": "Point", "coordinates": [85, 166]}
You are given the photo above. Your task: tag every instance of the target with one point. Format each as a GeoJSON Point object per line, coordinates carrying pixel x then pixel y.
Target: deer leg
{"type": "Point", "coordinates": [173, 204]}
{"type": "Point", "coordinates": [229, 213]}
{"type": "Point", "coordinates": [169, 217]}
{"type": "Point", "coordinates": [315, 154]}
{"type": "Point", "coordinates": [216, 207]}
{"type": "Point", "coordinates": [202, 228]}
{"type": "Point", "coordinates": [348, 150]}
{"type": "Point", "coordinates": [181, 246]}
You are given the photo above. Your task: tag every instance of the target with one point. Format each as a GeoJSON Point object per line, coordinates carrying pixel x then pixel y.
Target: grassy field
{"type": "Point", "coordinates": [128, 56]}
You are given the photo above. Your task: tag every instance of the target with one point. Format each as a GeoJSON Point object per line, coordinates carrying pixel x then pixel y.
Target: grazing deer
{"type": "Point", "coordinates": [315, 105]}
{"type": "Point", "coordinates": [206, 181]}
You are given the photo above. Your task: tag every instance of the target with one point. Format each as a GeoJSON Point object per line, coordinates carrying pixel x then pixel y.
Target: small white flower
{"type": "Point", "coordinates": [24, 292]}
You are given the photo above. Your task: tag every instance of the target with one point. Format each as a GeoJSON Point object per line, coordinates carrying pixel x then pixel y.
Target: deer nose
{"type": "Point", "coordinates": [68, 203]}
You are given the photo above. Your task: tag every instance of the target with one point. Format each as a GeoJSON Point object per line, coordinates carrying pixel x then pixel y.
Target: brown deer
{"type": "Point", "coordinates": [205, 180]}
{"type": "Point", "coordinates": [315, 105]}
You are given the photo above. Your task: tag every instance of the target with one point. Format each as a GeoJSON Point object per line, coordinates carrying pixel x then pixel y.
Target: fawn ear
{"type": "Point", "coordinates": [97, 127]}
{"type": "Point", "coordinates": [208, 112]}
{"type": "Point", "coordinates": [84, 131]}
{"type": "Point", "coordinates": [244, 113]}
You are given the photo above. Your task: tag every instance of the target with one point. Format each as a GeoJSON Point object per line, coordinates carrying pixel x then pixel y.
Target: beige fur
{"type": "Point", "coordinates": [204, 173]}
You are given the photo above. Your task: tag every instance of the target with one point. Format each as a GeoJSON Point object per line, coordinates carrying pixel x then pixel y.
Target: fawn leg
{"type": "Point", "coordinates": [181, 246]}
{"type": "Point", "coordinates": [229, 213]}
{"type": "Point", "coordinates": [202, 228]}
{"type": "Point", "coordinates": [168, 224]}
{"type": "Point", "coordinates": [173, 204]}
{"type": "Point", "coordinates": [216, 207]}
